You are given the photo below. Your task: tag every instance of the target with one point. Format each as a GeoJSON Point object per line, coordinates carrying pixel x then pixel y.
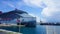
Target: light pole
{"type": "Point", "coordinates": [18, 23]}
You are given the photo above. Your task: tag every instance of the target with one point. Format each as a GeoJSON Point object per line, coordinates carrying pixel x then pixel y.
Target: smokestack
{"type": "Point", "coordinates": [0, 12]}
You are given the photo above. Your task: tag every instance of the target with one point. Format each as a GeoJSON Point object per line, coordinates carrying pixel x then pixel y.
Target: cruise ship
{"type": "Point", "coordinates": [18, 17]}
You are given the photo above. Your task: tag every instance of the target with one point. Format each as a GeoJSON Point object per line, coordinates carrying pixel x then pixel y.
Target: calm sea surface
{"type": "Point", "coordinates": [27, 30]}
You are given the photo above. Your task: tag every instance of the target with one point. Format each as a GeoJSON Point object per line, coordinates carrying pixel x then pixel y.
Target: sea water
{"type": "Point", "coordinates": [27, 30]}
{"type": "Point", "coordinates": [33, 30]}
{"type": "Point", "coordinates": [39, 29]}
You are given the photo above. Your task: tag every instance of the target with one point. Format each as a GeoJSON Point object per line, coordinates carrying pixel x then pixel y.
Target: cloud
{"type": "Point", "coordinates": [11, 5]}
{"type": "Point", "coordinates": [34, 3]}
{"type": "Point", "coordinates": [50, 13]}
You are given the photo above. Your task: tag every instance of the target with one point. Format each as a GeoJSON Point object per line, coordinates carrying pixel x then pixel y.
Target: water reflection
{"type": "Point", "coordinates": [53, 29]}
{"type": "Point", "coordinates": [37, 30]}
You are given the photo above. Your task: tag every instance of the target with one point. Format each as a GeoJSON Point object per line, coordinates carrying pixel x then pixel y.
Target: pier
{"type": "Point", "coordinates": [2, 31]}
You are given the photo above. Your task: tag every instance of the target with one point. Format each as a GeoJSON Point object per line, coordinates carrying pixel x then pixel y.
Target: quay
{"type": "Point", "coordinates": [2, 31]}
{"type": "Point", "coordinates": [3, 25]}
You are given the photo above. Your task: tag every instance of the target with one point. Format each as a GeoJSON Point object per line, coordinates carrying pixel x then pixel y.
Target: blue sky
{"type": "Point", "coordinates": [46, 10]}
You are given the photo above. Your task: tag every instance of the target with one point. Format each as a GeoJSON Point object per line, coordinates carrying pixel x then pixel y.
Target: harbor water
{"type": "Point", "coordinates": [27, 30]}
{"type": "Point", "coordinates": [39, 29]}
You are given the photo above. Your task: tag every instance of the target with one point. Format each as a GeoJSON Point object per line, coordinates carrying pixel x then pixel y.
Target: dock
{"type": "Point", "coordinates": [2, 31]}
{"type": "Point", "coordinates": [3, 25]}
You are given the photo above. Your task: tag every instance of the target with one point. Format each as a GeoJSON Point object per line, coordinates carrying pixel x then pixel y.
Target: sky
{"type": "Point", "coordinates": [45, 10]}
